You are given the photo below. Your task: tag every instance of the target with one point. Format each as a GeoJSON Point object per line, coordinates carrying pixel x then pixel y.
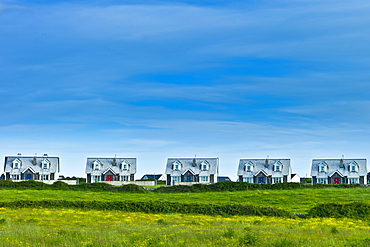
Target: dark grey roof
{"type": "Point", "coordinates": [151, 176]}
{"type": "Point", "coordinates": [223, 178]}
{"type": "Point", "coordinates": [266, 166]}
{"type": "Point", "coordinates": [108, 164]}
{"type": "Point", "coordinates": [193, 165]}
{"type": "Point", "coordinates": [27, 162]}
{"type": "Point", "coordinates": [338, 165]}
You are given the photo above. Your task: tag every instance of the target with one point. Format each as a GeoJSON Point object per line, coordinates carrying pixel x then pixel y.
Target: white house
{"type": "Point", "coordinates": [339, 171]}
{"type": "Point", "coordinates": [189, 171]}
{"type": "Point", "coordinates": [265, 171]}
{"type": "Point", "coordinates": [40, 168]}
{"type": "Point", "coordinates": [110, 170]}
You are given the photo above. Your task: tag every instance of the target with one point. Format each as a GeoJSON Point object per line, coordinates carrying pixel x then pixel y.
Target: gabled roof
{"type": "Point", "coordinates": [29, 168]}
{"type": "Point", "coordinates": [194, 164]}
{"type": "Point", "coordinates": [28, 162]}
{"type": "Point", "coordinates": [267, 165]}
{"type": "Point", "coordinates": [261, 171]}
{"type": "Point", "coordinates": [338, 172]}
{"type": "Point", "coordinates": [109, 169]}
{"type": "Point", "coordinates": [113, 163]}
{"type": "Point", "coordinates": [188, 170]}
{"type": "Point", "coordinates": [340, 165]}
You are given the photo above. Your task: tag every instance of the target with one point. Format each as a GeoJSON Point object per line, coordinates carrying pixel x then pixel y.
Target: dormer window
{"type": "Point", "coordinates": [353, 167]}
{"type": "Point", "coordinates": [17, 164]}
{"type": "Point", "coordinates": [176, 166]}
{"type": "Point", "coordinates": [45, 164]}
{"type": "Point", "coordinates": [125, 165]}
{"type": "Point", "coordinates": [249, 167]}
{"type": "Point", "coordinates": [278, 166]}
{"type": "Point", "coordinates": [204, 166]}
{"type": "Point", "coordinates": [96, 165]}
{"type": "Point", "coordinates": [323, 167]}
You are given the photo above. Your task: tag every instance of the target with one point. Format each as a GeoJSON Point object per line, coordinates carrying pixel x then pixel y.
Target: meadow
{"type": "Point", "coordinates": [295, 201]}
{"type": "Point", "coordinates": [50, 226]}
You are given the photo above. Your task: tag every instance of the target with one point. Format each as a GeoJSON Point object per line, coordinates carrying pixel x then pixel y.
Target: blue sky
{"type": "Point", "coordinates": [158, 79]}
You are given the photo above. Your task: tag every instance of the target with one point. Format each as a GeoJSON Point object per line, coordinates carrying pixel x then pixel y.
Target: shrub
{"type": "Point", "coordinates": [335, 210]}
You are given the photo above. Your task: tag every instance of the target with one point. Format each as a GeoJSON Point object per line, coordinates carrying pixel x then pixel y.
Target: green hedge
{"type": "Point", "coordinates": [240, 186]}
{"type": "Point", "coordinates": [153, 207]}
{"type": "Point", "coordinates": [335, 210]}
{"type": "Point", "coordinates": [59, 185]}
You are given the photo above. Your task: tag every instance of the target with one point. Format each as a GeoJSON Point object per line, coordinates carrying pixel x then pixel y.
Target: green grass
{"type": "Point", "coordinates": [68, 227]}
{"type": "Point", "coordinates": [295, 201]}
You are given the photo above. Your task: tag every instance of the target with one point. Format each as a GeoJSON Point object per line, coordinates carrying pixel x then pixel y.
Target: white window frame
{"type": "Point", "coordinates": [176, 178]}
{"type": "Point", "coordinates": [276, 180]}
{"type": "Point", "coordinates": [15, 177]}
{"type": "Point", "coordinates": [95, 178]}
{"type": "Point", "coordinates": [353, 181]}
{"type": "Point", "coordinates": [176, 165]}
{"type": "Point", "coordinates": [44, 177]}
{"type": "Point", "coordinates": [248, 180]}
{"type": "Point", "coordinates": [204, 179]}
{"type": "Point", "coordinates": [322, 181]}
{"type": "Point", "coordinates": [125, 178]}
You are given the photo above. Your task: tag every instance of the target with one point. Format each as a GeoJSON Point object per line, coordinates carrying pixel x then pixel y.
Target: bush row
{"type": "Point", "coordinates": [59, 185]}
{"type": "Point", "coordinates": [358, 210]}
{"type": "Point", "coordinates": [153, 207]}
{"type": "Point", "coordinates": [220, 186]}
{"type": "Point", "coordinates": [240, 186]}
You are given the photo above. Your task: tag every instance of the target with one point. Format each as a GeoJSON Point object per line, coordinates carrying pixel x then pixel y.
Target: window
{"type": "Point", "coordinates": [44, 177]}
{"type": "Point", "coordinates": [95, 178]}
{"type": "Point", "coordinates": [353, 180]}
{"type": "Point", "coordinates": [204, 178]}
{"type": "Point", "coordinates": [248, 180]}
{"type": "Point", "coordinates": [204, 165]}
{"type": "Point", "coordinates": [16, 165]}
{"type": "Point", "coordinates": [45, 166]}
{"type": "Point", "coordinates": [353, 167]}
{"type": "Point", "coordinates": [125, 165]}
{"type": "Point", "coordinates": [322, 181]}
{"type": "Point", "coordinates": [124, 178]}
{"type": "Point", "coordinates": [15, 177]}
{"type": "Point", "coordinates": [276, 180]}
{"type": "Point", "coordinates": [176, 178]}
{"type": "Point", "coordinates": [278, 166]}
{"type": "Point", "coordinates": [176, 165]}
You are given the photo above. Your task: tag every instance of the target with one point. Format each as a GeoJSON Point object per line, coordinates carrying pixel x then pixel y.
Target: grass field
{"type": "Point", "coordinates": [78, 227]}
{"type": "Point", "coordinates": [66, 227]}
{"type": "Point", "coordinates": [295, 201]}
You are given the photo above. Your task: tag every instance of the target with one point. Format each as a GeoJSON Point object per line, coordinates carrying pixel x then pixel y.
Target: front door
{"type": "Point", "coordinates": [261, 180]}
{"type": "Point", "coordinates": [109, 177]}
{"type": "Point", "coordinates": [28, 176]}
{"type": "Point", "coordinates": [188, 178]}
{"type": "Point", "coordinates": [336, 181]}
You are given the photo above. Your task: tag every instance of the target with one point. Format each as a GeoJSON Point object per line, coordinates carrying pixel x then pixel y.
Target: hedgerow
{"type": "Point", "coordinates": [240, 186]}
{"type": "Point", "coordinates": [335, 210]}
{"type": "Point", "coordinates": [220, 186]}
{"type": "Point", "coordinates": [153, 207]}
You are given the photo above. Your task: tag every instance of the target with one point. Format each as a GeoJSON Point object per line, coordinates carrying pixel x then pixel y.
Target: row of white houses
{"type": "Point", "coordinates": [189, 170]}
